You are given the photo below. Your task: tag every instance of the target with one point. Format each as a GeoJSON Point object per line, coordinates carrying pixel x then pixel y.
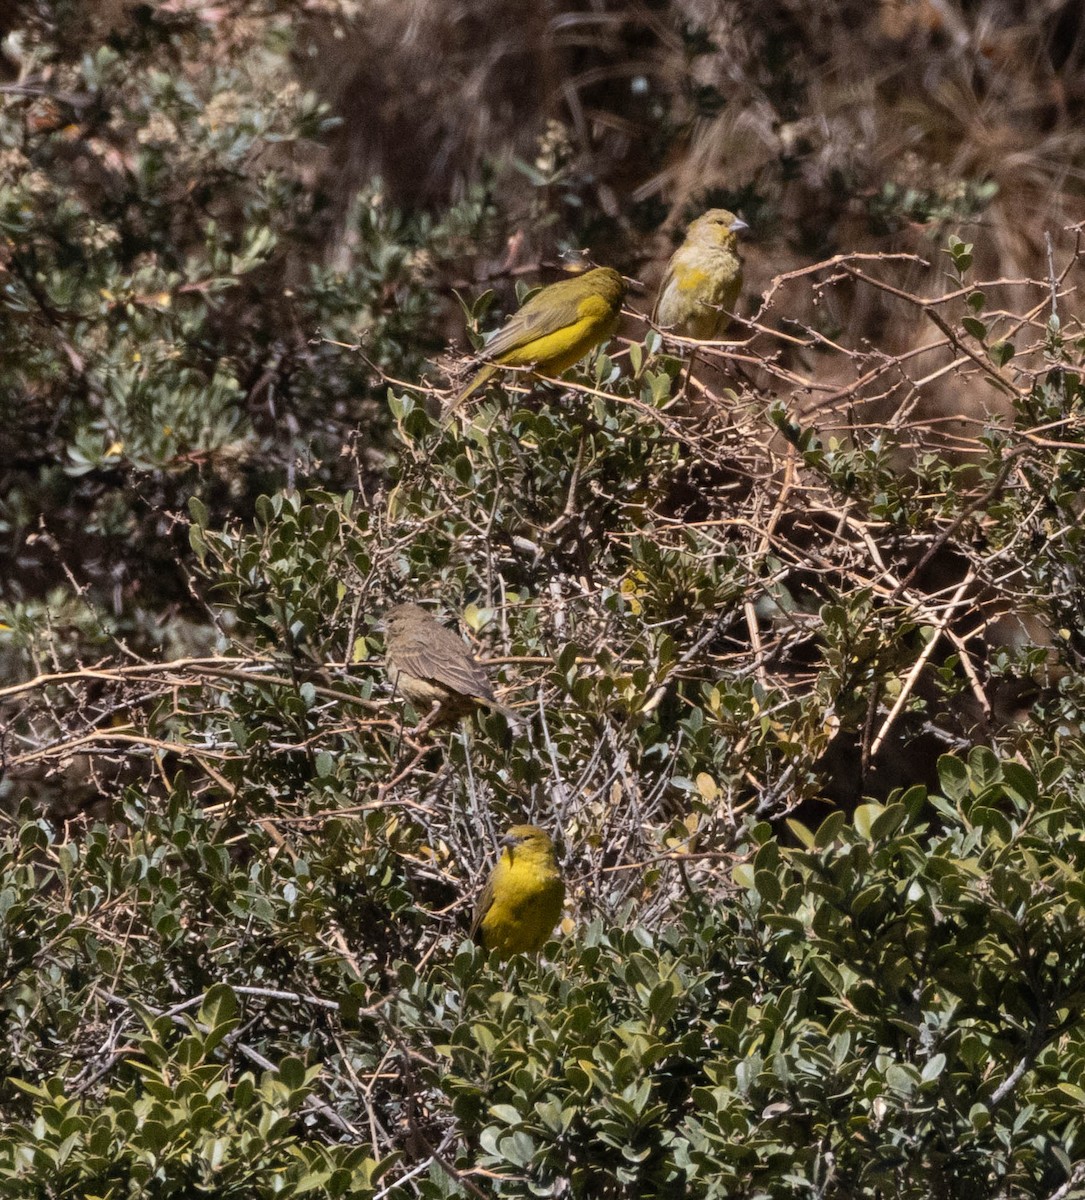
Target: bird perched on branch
{"type": "Point", "coordinates": [555, 328]}
{"type": "Point", "coordinates": [703, 279]}
{"type": "Point", "coordinates": [521, 902]}
{"type": "Point", "coordinates": [433, 668]}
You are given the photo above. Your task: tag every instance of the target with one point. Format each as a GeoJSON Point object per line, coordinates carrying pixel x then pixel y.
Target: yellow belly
{"type": "Point", "coordinates": [525, 909]}
{"type": "Point", "coordinates": [557, 351]}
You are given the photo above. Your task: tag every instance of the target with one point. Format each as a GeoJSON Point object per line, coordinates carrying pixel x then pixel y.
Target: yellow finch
{"type": "Point", "coordinates": [433, 668]}
{"type": "Point", "coordinates": [521, 903]}
{"type": "Point", "coordinates": [703, 279]}
{"type": "Point", "coordinates": [555, 328]}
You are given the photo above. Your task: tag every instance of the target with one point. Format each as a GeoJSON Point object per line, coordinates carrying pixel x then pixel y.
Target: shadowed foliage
{"type": "Point", "coordinates": [795, 642]}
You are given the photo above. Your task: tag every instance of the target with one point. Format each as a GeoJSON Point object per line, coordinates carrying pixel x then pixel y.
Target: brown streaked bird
{"type": "Point", "coordinates": [434, 669]}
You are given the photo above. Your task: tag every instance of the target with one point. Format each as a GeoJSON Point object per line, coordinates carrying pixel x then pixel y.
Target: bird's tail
{"type": "Point", "coordinates": [479, 379]}
{"type": "Point", "coordinates": [516, 722]}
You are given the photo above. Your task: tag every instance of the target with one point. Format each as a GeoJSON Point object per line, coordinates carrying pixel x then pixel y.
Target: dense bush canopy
{"type": "Point", "coordinates": [794, 632]}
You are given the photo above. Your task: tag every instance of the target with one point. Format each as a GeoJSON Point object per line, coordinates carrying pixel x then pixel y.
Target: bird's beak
{"type": "Point", "coordinates": [511, 844]}
{"type": "Point", "coordinates": [739, 226]}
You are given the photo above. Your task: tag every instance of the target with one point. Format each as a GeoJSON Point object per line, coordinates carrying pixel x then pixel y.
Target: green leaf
{"type": "Point", "coordinates": [975, 327]}
{"type": "Point", "coordinates": [829, 830]}
{"type": "Point", "coordinates": [953, 777]}
{"type": "Point", "coordinates": [804, 835]}
{"type": "Point", "coordinates": [933, 1068]}
{"type": "Point", "coordinates": [1020, 783]}
{"type": "Point", "coordinates": [768, 886]}
{"type": "Point", "coordinates": [219, 1009]}
{"type": "Point", "coordinates": [864, 818]}
{"type": "Point", "coordinates": [888, 822]}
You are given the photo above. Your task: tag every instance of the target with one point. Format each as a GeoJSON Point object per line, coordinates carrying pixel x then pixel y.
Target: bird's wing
{"type": "Point", "coordinates": [440, 656]}
{"type": "Point", "coordinates": [664, 284]}
{"type": "Point", "coordinates": [555, 307]}
{"type": "Point", "coordinates": [481, 909]}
